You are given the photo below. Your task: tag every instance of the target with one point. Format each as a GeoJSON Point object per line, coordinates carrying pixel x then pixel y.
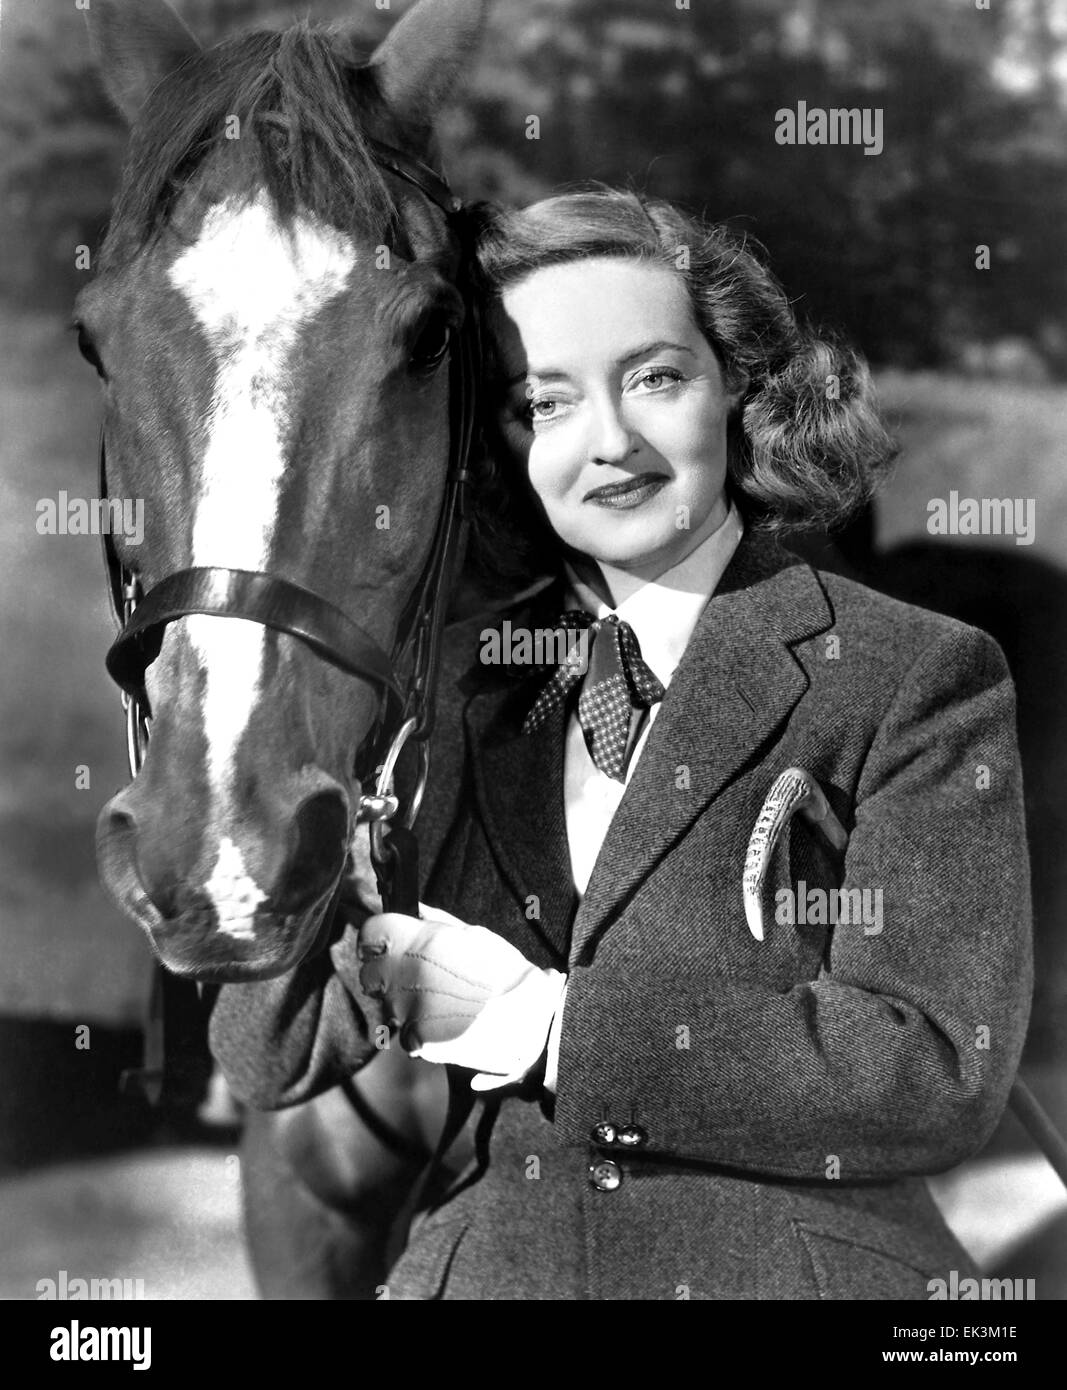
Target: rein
{"type": "Point", "coordinates": [406, 709]}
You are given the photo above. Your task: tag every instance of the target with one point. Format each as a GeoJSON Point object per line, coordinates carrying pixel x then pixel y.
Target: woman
{"type": "Point", "coordinates": [667, 1106]}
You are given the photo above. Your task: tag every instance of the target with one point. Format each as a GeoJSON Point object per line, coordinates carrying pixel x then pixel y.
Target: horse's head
{"type": "Point", "coordinates": [271, 320]}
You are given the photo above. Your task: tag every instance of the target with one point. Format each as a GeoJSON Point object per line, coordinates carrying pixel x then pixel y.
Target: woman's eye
{"type": "Point", "coordinates": [432, 344]}
{"type": "Point", "coordinates": [656, 378]}
{"type": "Point", "coordinates": [543, 409]}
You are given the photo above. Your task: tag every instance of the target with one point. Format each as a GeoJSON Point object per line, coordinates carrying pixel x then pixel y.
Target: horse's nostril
{"type": "Point", "coordinates": [116, 825]}
{"type": "Point", "coordinates": [133, 855]}
{"type": "Point", "coordinates": [116, 852]}
{"type": "Point", "coordinates": [320, 843]}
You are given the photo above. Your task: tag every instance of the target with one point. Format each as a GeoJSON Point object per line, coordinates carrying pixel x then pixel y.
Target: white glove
{"type": "Point", "coordinates": [458, 994]}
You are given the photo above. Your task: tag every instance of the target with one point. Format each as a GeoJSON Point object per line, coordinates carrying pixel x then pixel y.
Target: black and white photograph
{"type": "Point", "coordinates": [533, 725]}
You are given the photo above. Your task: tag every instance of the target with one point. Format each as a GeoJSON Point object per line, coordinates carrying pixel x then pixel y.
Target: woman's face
{"type": "Point", "coordinates": [616, 405]}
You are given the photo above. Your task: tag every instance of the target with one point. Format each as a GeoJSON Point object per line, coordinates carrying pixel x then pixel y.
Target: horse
{"type": "Point", "coordinates": [276, 316]}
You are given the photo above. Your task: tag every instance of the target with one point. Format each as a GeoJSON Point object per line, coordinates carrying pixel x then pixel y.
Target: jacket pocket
{"type": "Point", "coordinates": [853, 1267]}
{"type": "Point", "coordinates": [421, 1273]}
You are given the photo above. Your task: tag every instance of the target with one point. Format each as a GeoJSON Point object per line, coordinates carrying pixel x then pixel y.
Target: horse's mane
{"type": "Point", "coordinates": [296, 95]}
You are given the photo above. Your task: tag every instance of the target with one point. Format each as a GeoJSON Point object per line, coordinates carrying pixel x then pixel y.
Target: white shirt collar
{"type": "Point", "coordinates": [664, 612]}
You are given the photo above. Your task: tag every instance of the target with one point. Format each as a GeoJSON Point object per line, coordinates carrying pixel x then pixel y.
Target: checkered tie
{"type": "Point", "coordinates": [617, 683]}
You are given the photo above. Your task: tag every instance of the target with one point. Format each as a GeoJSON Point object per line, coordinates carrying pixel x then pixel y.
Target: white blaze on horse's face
{"type": "Point", "coordinates": [252, 285]}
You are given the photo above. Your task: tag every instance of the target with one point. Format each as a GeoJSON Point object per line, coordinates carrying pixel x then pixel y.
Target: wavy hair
{"type": "Point", "coordinates": [805, 444]}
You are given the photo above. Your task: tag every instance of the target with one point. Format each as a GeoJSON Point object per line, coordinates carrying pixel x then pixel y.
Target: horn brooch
{"type": "Point", "coordinates": [795, 790]}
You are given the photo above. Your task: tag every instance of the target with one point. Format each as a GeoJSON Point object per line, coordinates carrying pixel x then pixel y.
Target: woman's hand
{"type": "Point", "coordinates": [457, 994]}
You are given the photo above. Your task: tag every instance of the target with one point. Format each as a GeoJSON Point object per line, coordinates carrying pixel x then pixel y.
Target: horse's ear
{"type": "Point", "coordinates": [136, 43]}
{"type": "Point", "coordinates": [424, 54]}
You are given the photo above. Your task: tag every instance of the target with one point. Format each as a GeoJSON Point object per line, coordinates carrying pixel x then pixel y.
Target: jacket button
{"type": "Point", "coordinates": [604, 1132]}
{"type": "Point", "coordinates": [632, 1136]}
{"type": "Point", "coordinates": [605, 1176]}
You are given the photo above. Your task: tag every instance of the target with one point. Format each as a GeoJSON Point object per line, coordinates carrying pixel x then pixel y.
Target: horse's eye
{"type": "Point", "coordinates": [88, 351]}
{"type": "Point", "coordinates": [432, 344]}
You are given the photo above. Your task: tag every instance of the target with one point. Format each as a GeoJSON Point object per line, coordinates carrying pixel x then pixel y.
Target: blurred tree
{"type": "Point", "coordinates": [59, 154]}
{"type": "Point", "coordinates": [61, 143]}
{"type": "Point", "coordinates": [682, 101]}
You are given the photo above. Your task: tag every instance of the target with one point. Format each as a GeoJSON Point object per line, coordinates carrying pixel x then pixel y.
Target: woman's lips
{"type": "Point", "coordinates": [632, 492]}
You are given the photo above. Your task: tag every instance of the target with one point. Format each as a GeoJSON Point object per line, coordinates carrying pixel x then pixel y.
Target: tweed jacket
{"type": "Point", "coordinates": [733, 1118]}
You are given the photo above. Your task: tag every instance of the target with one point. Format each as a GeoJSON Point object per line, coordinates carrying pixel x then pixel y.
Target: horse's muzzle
{"type": "Point", "coordinates": [214, 911]}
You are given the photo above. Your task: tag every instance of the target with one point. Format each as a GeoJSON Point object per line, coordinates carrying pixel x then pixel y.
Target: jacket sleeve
{"type": "Point", "coordinates": [899, 1057]}
{"type": "Point", "coordinates": [281, 1042]}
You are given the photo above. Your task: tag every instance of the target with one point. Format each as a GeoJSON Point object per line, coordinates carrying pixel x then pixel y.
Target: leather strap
{"type": "Point", "coordinates": [116, 575]}
{"type": "Point", "coordinates": [424, 617]}
{"type": "Point", "coordinates": [260, 598]}
{"type": "Point", "coordinates": [415, 172]}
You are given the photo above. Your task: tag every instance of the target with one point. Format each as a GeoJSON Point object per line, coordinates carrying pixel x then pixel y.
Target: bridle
{"type": "Point", "coordinates": [405, 711]}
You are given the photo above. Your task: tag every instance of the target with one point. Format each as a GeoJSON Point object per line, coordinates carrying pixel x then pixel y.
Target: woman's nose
{"type": "Point", "coordinates": [612, 439]}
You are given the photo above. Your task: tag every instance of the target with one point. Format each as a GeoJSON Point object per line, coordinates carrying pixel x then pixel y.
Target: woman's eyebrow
{"type": "Point", "coordinates": [657, 346]}
{"type": "Point", "coordinates": [643, 351]}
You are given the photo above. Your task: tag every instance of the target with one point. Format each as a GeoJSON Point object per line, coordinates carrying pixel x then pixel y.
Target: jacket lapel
{"type": "Point", "coordinates": [518, 784]}
{"type": "Point", "coordinates": [737, 682]}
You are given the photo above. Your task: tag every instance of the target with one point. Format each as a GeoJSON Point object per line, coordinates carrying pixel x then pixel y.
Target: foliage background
{"type": "Point", "coordinates": [682, 102]}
